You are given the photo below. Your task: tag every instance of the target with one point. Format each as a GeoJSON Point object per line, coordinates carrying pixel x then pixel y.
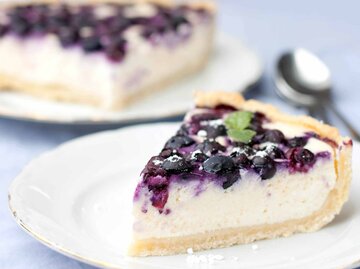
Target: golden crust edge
{"type": "Point", "coordinates": [233, 236]}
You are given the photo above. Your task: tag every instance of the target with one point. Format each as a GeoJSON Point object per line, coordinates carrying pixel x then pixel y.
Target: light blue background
{"type": "Point", "coordinates": [329, 28]}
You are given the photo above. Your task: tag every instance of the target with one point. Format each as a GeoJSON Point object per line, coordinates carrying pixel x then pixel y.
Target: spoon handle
{"type": "Point", "coordinates": [353, 132]}
{"type": "Point", "coordinates": [319, 112]}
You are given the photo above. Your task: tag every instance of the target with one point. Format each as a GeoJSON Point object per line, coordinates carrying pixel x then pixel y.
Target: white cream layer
{"type": "Point", "coordinates": [43, 61]}
{"type": "Point", "coordinates": [250, 201]}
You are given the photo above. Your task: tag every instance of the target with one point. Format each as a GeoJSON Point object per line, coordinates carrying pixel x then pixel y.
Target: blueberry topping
{"type": "Point", "coordinates": [242, 161]}
{"type": "Point", "coordinates": [297, 142]}
{"type": "Point", "coordinates": [210, 147]}
{"type": "Point", "coordinates": [159, 198]}
{"type": "Point", "coordinates": [176, 165]}
{"type": "Point", "coordinates": [69, 22]}
{"type": "Point", "coordinates": [219, 165]}
{"type": "Point", "coordinates": [276, 153]}
{"type": "Point", "coordinates": [179, 141]}
{"type": "Point", "coordinates": [215, 131]}
{"type": "Point", "coordinates": [264, 166]}
{"type": "Point", "coordinates": [68, 36]}
{"type": "Point", "coordinates": [166, 153]}
{"type": "Point", "coordinates": [91, 44]}
{"type": "Point", "coordinates": [274, 136]}
{"type": "Point", "coordinates": [199, 156]}
{"type": "Point", "coordinates": [303, 156]}
{"type": "Point", "coordinates": [204, 117]}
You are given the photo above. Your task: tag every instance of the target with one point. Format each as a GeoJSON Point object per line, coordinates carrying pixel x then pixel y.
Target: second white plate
{"type": "Point", "coordinates": [77, 200]}
{"type": "Point", "coordinates": [232, 67]}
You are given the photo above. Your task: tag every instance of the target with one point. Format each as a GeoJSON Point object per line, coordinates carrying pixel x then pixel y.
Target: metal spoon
{"type": "Point", "coordinates": [304, 80]}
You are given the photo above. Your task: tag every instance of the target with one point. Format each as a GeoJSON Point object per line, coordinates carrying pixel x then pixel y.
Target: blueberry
{"type": "Point", "coordinates": [204, 117]}
{"type": "Point", "coordinates": [152, 168]}
{"type": "Point", "coordinates": [114, 54]}
{"type": "Point", "coordinates": [119, 24]}
{"type": "Point", "coordinates": [91, 44]}
{"type": "Point", "coordinates": [274, 136]}
{"type": "Point", "coordinates": [224, 109]}
{"type": "Point", "coordinates": [3, 30]}
{"type": "Point", "coordinates": [248, 151]}
{"type": "Point", "coordinates": [159, 198]}
{"type": "Point", "coordinates": [177, 21]}
{"type": "Point", "coordinates": [219, 165]}
{"type": "Point", "coordinates": [179, 141]}
{"type": "Point", "coordinates": [176, 166]}
{"type": "Point", "coordinates": [303, 156]}
{"type": "Point", "coordinates": [264, 166]}
{"type": "Point", "coordinates": [297, 142]}
{"type": "Point", "coordinates": [165, 153]}
{"type": "Point", "coordinates": [200, 157]}
{"type": "Point", "coordinates": [68, 36]}
{"type": "Point", "coordinates": [156, 182]}
{"type": "Point", "coordinates": [183, 130]}
{"type": "Point", "coordinates": [230, 179]}
{"type": "Point", "coordinates": [242, 161]}
{"type": "Point", "coordinates": [20, 26]}
{"type": "Point", "coordinates": [210, 147]}
{"type": "Point", "coordinates": [215, 131]}
{"type": "Point", "coordinates": [276, 153]}
{"type": "Point", "coordinates": [258, 138]}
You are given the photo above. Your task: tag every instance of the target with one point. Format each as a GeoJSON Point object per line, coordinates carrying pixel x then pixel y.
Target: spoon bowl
{"type": "Point", "coordinates": [302, 79]}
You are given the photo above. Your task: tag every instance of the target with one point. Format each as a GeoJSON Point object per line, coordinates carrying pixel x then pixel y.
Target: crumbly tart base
{"type": "Point", "coordinates": [241, 235]}
{"type": "Point", "coordinates": [63, 93]}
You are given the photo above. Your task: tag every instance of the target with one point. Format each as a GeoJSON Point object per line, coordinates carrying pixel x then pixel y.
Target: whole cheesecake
{"type": "Point", "coordinates": [238, 171]}
{"type": "Point", "coordinates": [102, 53]}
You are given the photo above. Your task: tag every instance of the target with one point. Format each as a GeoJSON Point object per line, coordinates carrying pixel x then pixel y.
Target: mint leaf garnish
{"type": "Point", "coordinates": [236, 124]}
{"type": "Point", "coordinates": [238, 120]}
{"type": "Point", "coordinates": [243, 136]}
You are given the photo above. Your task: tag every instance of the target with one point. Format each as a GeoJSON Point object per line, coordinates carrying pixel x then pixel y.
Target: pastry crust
{"type": "Point", "coordinates": [228, 237]}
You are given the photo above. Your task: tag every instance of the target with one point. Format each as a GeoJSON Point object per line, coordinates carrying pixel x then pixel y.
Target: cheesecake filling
{"type": "Point", "coordinates": [283, 172]}
{"type": "Point", "coordinates": [107, 51]}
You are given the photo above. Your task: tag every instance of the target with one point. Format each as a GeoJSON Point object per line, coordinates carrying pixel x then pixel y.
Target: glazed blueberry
{"type": "Point", "coordinates": [210, 147]}
{"type": "Point", "coordinates": [68, 36]}
{"type": "Point", "coordinates": [114, 54]}
{"type": "Point", "coordinates": [154, 168]}
{"type": "Point", "coordinates": [20, 26]}
{"type": "Point", "coordinates": [219, 165]}
{"type": "Point", "coordinates": [3, 30]}
{"type": "Point", "coordinates": [199, 157]}
{"type": "Point", "coordinates": [91, 44]}
{"type": "Point", "coordinates": [221, 110]}
{"type": "Point", "coordinates": [177, 21]}
{"type": "Point", "coordinates": [276, 153]}
{"type": "Point", "coordinates": [230, 179]}
{"type": "Point", "coordinates": [297, 142]}
{"type": "Point", "coordinates": [215, 131]}
{"type": "Point", "coordinates": [242, 161]}
{"type": "Point", "coordinates": [179, 141]}
{"type": "Point", "coordinates": [183, 130]}
{"type": "Point", "coordinates": [156, 182]}
{"type": "Point", "coordinates": [176, 165]}
{"type": "Point", "coordinates": [203, 117]}
{"type": "Point", "coordinates": [165, 153]}
{"type": "Point", "coordinates": [264, 166]}
{"type": "Point", "coordinates": [159, 198]}
{"type": "Point", "coordinates": [303, 156]}
{"type": "Point", "coordinates": [274, 136]}
{"type": "Point", "coordinates": [248, 151]}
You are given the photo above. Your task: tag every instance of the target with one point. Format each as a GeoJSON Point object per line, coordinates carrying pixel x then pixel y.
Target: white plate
{"type": "Point", "coordinates": [77, 200]}
{"type": "Point", "coordinates": [232, 67]}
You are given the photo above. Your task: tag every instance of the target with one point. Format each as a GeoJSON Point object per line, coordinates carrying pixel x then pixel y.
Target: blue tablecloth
{"type": "Point", "coordinates": [329, 28]}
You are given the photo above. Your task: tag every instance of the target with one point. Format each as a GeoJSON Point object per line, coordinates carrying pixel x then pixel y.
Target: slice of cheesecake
{"type": "Point", "coordinates": [238, 171]}
{"type": "Point", "coordinates": [102, 53]}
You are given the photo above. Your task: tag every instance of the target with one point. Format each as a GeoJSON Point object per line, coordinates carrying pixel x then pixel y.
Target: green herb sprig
{"type": "Point", "coordinates": [237, 123]}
